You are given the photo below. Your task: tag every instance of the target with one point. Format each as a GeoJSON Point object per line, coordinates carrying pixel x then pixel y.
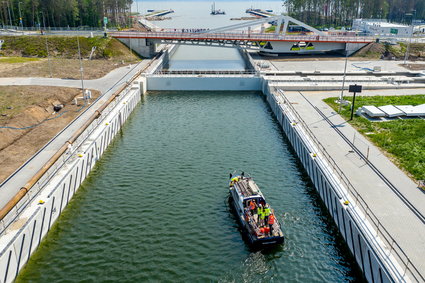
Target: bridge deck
{"type": "Point", "coordinates": [179, 34]}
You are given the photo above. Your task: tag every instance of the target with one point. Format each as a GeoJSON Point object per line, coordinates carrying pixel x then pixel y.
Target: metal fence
{"type": "Point", "coordinates": [205, 72]}
{"type": "Point", "coordinates": [183, 34]}
{"type": "Point", "coordinates": [81, 28]}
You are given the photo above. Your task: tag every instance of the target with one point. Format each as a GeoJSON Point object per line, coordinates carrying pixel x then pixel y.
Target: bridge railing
{"type": "Point", "coordinates": [185, 34]}
{"type": "Point", "coordinates": [205, 72]}
{"type": "Point", "coordinates": [393, 246]}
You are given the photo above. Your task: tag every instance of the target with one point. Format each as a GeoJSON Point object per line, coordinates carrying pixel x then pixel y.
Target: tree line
{"type": "Point", "coordinates": [64, 13]}
{"type": "Point", "coordinates": [342, 12]}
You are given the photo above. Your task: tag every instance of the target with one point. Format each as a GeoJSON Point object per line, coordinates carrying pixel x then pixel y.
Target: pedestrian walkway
{"type": "Point", "coordinates": [403, 224]}
{"type": "Point", "coordinates": [103, 84]}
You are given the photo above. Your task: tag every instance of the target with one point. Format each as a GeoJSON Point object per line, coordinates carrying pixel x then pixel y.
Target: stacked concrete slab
{"type": "Point", "coordinates": [391, 111]}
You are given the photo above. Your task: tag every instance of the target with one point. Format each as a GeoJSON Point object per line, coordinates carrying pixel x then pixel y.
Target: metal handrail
{"type": "Point", "coordinates": [381, 230]}
{"type": "Point", "coordinates": [251, 36]}
{"type": "Point", "coordinates": [205, 72]}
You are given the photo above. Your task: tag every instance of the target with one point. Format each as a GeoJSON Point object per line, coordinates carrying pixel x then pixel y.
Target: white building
{"type": "Point", "coordinates": [381, 27]}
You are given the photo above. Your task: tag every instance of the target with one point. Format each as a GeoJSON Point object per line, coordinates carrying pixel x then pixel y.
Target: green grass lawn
{"type": "Point", "coordinates": [403, 139]}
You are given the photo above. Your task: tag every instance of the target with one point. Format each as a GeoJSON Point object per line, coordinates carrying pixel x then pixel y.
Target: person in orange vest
{"type": "Point", "coordinates": [271, 222]}
{"type": "Point", "coordinates": [252, 207]}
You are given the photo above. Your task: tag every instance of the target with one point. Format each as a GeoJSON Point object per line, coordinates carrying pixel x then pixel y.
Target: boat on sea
{"type": "Point", "coordinates": [246, 199]}
{"type": "Point", "coordinates": [216, 12]}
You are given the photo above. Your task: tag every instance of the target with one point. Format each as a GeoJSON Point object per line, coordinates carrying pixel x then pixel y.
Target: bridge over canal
{"type": "Point", "coordinates": [245, 36]}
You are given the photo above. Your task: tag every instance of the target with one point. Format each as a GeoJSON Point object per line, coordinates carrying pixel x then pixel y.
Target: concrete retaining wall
{"type": "Point", "coordinates": [141, 46]}
{"type": "Point", "coordinates": [24, 235]}
{"type": "Point", "coordinates": [201, 82]}
{"type": "Point", "coordinates": [368, 250]}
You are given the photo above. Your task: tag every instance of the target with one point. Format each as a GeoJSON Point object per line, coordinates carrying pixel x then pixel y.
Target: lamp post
{"type": "Point", "coordinates": [131, 27]}
{"type": "Point", "coordinates": [48, 58]}
{"type": "Point", "coordinates": [406, 55]}
{"type": "Point", "coordinates": [81, 66]}
{"type": "Point", "coordinates": [20, 16]}
{"type": "Point", "coordinates": [341, 97]}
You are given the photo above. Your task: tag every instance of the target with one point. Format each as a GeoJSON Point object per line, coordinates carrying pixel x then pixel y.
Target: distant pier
{"type": "Point", "coordinates": [259, 13]}
{"type": "Point", "coordinates": [159, 13]}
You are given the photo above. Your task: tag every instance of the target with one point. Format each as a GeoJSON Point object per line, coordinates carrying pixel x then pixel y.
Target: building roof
{"type": "Point", "coordinates": [380, 23]}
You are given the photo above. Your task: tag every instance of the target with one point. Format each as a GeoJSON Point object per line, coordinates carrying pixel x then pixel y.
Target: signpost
{"type": "Point", "coordinates": [105, 22]}
{"type": "Point", "coordinates": [354, 89]}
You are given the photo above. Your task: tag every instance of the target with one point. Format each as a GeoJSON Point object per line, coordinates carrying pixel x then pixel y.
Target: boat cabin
{"type": "Point", "coordinates": [245, 191]}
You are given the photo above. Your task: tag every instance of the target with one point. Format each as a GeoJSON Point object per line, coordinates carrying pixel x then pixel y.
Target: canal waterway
{"type": "Point", "coordinates": [155, 206]}
{"type": "Point", "coordinates": [195, 15]}
{"type": "Point", "coordinates": [206, 58]}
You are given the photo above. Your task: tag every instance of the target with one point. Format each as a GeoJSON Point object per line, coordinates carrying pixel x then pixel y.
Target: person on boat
{"type": "Point", "coordinates": [261, 216]}
{"type": "Point", "coordinates": [271, 222]}
{"type": "Point", "coordinates": [267, 212]}
{"type": "Point", "coordinates": [233, 180]}
{"type": "Point", "coordinates": [253, 207]}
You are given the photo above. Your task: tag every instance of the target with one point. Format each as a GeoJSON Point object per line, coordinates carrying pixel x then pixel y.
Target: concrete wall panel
{"type": "Point", "coordinates": [9, 261]}
{"type": "Point", "coordinates": [55, 211]}
{"type": "Point", "coordinates": [204, 83]}
{"type": "Point", "coordinates": [32, 240]}
{"type": "Point", "coordinates": [21, 246]}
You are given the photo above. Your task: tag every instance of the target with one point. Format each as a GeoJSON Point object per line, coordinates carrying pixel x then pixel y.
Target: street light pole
{"type": "Point", "coordinates": [48, 58]}
{"type": "Point", "coordinates": [131, 27]}
{"type": "Point", "coordinates": [406, 55]}
{"type": "Point", "coordinates": [341, 97]}
{"type": "Point", "coordinates": [20, 16]}
{"type": "Point", "coordinates": [81, 66]}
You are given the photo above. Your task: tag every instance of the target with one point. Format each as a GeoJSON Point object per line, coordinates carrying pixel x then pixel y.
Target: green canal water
{"type": "Point", "coordinates": [155, 209]}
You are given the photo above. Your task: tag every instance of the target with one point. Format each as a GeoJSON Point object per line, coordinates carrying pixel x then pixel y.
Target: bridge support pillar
{"type": "Point", "coordinates": [141, 46]}
{"type": "Point", "coordinates": [351, 48]}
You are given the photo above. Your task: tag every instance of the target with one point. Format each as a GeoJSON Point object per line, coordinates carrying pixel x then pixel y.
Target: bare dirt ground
{"type": "Point", "coordinates": [415, 67]}
{"type": "Point", "coordinates": [62, 68]}
{"type": "Point", "coordinates": [26, 106]}
{"type": "Point", "coordinates": [23, 106]}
